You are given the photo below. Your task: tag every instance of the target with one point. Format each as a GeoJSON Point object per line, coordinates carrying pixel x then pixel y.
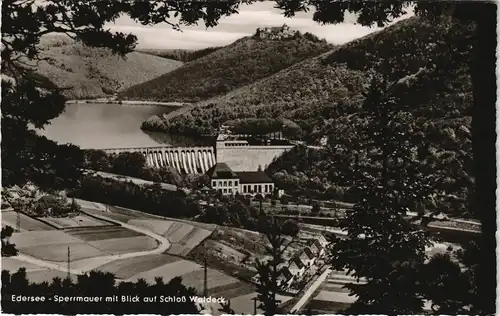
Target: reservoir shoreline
{"type": "Point", "coordinates": [127, 102]}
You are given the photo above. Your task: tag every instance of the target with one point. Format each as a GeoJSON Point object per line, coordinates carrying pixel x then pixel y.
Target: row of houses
{"type": "Point", "coordinates": [302, 261]}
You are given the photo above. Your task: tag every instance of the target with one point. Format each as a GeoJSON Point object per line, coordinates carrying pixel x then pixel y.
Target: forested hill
{"type": "Point", "coordinates": [238, 64]}
{"type": "Point", "coordinates": [323, 95]}
{"type": "Point", "coordinates": [95, 72]}
{"type": "Point", "coordinates": [320, 89]}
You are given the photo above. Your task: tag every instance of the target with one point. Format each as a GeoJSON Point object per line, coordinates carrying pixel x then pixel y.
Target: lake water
{"type": "Point", "coordinates": [95, 125]}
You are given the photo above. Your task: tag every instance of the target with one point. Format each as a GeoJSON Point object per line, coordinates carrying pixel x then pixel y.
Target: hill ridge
{"type": "Point", "coordinates": [235, 65]}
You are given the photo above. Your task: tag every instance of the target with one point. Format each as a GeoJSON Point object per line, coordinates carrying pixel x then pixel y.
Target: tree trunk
{"type": "Point", "coordinates": [483, 146]}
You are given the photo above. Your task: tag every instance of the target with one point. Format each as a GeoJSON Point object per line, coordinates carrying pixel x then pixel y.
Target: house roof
{"type": "Point", "coordinates": [286, 273]}
{"type": "Point", "coordinates": [253, 177]}
{"type": "Point", "coordinates": [309, 253]}
{"type": "Point", "coordinates": [221, 171]}
{"type": "Point", "coordinates": [296, 259]}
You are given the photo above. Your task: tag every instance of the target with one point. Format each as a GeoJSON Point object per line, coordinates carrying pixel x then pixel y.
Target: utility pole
{"type": "Point", "coordinates": [254, 305]}
{"type": "Point", "coordinates": [69, 264]}
{"type": "Point", "coordinates": [205, 281]}
{"type": "Point", "coordinates": [18, 222]}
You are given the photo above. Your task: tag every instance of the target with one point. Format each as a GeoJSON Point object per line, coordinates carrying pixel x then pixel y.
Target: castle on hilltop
{"type": "Point", "coordinates": [279, 32]}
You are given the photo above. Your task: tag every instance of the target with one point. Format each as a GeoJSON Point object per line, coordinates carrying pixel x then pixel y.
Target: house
{"type": "Point", "coordinates": [228, 182]}
{"type": "Point", "coordinates": [255, 182]}
{"type": "Point", "coordinates": [310, 255]}
{"type": "Point", "coordinates": [322, 240]}
{"type": "Point", "coordinates": [296, 266]}
{"type": "Point", "coordinates": [315, 247]}
{"type": "Point", "coordinates": [223, 179]}
{"type": "Point", "coordinates": [286, 277]}
{"type": "Point", "coordinates": [305, 259]}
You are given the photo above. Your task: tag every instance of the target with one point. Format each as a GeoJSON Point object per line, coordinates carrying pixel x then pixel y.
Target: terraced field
{"type": "Point", "coordinates": [75, 221]}
{"type": "Point", "coordinates": [9, 218]}
{"type": "Point", "coordinates": [85, 243]}
{"type": "Point", "coordinates": [127, 268]}
{"type": "Point", "coordinates": [183, 236]}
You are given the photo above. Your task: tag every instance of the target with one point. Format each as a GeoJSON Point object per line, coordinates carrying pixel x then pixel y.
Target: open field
{"type": "Point", "coordinates": [83, 243]}
{"type": "Point", "coordinates": [13, 264]}
{"type": "Point", "coordinates": [183, 236]}
{"type": "Point", "coordinates": [27, 223]}
{"type": "Point", "coordinates": [59, 252]}
{"type": "Point", "coordinates": [168, 271]}
{"type": "Point", "coordinates": [127, 268]}
{"type": "Point", "coordinates": [214, 279]}
{"type": "Point", "coordinates": [75, 221]}
{"type": "Point", "coordinates": [157, 226]}
{"type": "Point", "coordinates": [113, 215]}
{"type": "Point", "coordinates": [42, 238]}
{"type": "Point", "coordinates": [125, 245]}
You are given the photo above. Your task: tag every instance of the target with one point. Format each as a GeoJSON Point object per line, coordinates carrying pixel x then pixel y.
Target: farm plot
{"type": "Point", "coordinates": [13, 264]}
{"type": "Point", "coordinates": [125, 245]}
{"type": "Point", "coordinates": [75, 221]}
{"type": "Point", "coordinates": [126, 268]}
{"type": "Point", "coordinates": [59, 252]}
{"type": "Point", "coordinates": [90, 205]}
{"type": "Point", "coordinates": [183, 236]}
{"type": "Point", "coordinates": [214, 279]}
{"type": "Point", "coordinates": [42, 238]}
{"type": "Point", "coordinates": [168, 271]}
{"type": "Point", "coordinates": [178, 235]}
{"type": "Point", "coordinates": [116, 216]}
{"type": "Point", "coordinates": [101, 233]}
{"type": "Point", "coordinates": [27, 223]}
{"type": "Point", "coordinates": [157, 226]}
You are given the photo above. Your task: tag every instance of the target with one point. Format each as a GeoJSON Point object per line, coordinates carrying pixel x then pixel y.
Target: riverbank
{"type": "Point", "coordinates": [127, 102]}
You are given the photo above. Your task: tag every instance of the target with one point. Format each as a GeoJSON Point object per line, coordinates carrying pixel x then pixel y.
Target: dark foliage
{"type": "Point", "coordinates": [182, 55]}
{"type": "Point", "coordinates": [8, 249]}
{"type": "Point", "coordinates": [269, 271]}
{"type": "Point", "coordinates": [126, 194]}
{"type": "Point", "coordinates": [94, 284]}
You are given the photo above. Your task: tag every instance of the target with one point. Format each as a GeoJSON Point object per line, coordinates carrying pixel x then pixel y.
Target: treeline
{"type": "Point", "coordinates": [149, 199]}
{"type": "Point", "coordinates": [134, 165]}
{"type": "Point", "coordinates": [98, 285]}
{"type": "Point", "coordinates": [265, 126]}
{"type": "Point", "coordinates": [183, 55]}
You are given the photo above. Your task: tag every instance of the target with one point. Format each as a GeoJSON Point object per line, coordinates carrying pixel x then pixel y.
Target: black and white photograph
{"type": "Point", "coordinates": [248, 157]}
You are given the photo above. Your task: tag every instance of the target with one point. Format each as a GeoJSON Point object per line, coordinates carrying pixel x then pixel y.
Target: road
{"type": "Point", "coordinates": [309, 292]}
{"type": "Point", "coordinates": [92, 263]}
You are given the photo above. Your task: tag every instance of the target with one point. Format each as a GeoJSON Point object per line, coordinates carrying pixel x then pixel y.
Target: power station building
{"type": "Point", "coordinates": [228, 182]}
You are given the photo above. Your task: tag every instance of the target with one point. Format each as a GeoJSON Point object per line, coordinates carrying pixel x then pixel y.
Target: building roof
{"type": "Point", "coordinates": [298, 262]}
{"type": "Point", "coordinates": [309, 253]}
{"type": "Point", "coordinates": [253, 177]}
{"type": "Point", "coordinates": [221, 171]}
{"type": "Point", "coordinates": [286, 273]}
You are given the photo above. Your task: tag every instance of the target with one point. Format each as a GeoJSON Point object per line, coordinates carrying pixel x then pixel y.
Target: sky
{"type": "Point", "coordinates": [229, 29]}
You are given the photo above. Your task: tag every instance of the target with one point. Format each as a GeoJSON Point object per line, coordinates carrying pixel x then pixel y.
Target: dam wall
{"type": "Point", "coordinates": [249, 158]}
{"type": "Point", "coordinates": [238, 155]}
{"type": "Point", "coordinates": [185, 159]}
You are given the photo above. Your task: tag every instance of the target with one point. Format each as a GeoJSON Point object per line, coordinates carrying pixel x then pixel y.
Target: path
{"type": "Point", "coordinates": [98, 261]}
{"type": "Point", "coordinates": [307, 294]}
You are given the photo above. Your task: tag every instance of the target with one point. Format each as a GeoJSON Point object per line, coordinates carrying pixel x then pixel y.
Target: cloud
{"type": "Point", "coordinates": [233, 27]}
